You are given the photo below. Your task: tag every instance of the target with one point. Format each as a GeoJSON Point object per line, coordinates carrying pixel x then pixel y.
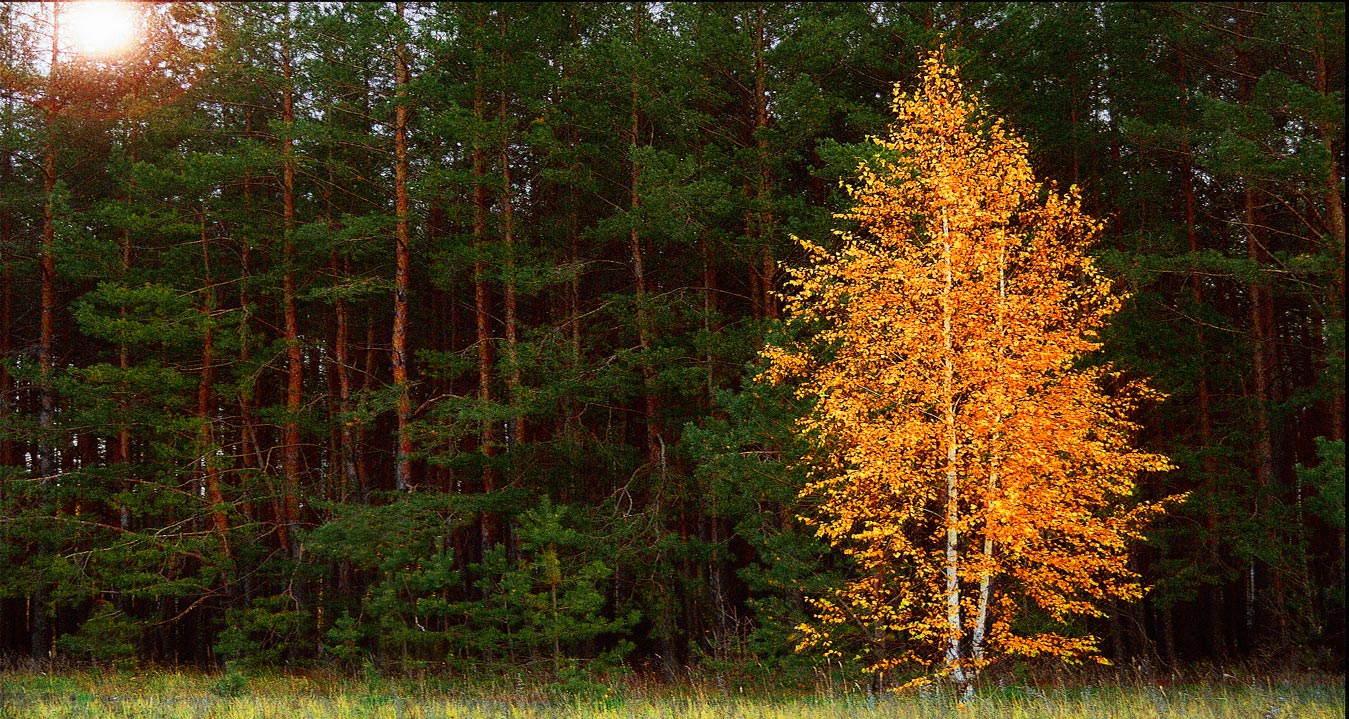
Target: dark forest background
{"type": "Point", "coordinates": [425, 335]}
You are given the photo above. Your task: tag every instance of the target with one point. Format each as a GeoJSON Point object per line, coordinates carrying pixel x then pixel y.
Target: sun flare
{"type": "Point", "coordinates": [99, 27]}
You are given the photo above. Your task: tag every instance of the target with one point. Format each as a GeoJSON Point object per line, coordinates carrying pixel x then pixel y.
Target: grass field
{"type": "Point", "coordinates": [195, 696]}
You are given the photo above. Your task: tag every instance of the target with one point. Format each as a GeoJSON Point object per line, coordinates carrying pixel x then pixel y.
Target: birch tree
{"type": "Point", "coordinates": [972, 470]}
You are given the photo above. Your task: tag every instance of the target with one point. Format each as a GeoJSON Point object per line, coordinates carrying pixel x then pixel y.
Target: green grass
{"type": "Point", "coordinates": [168, 695]}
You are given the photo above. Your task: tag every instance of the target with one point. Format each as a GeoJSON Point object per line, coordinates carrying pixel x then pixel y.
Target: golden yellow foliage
{"type": "Point", "coordinates": [970, 470]}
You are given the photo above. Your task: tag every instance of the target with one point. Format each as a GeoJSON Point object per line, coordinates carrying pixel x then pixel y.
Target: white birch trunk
{"type": "Point", "coordinates": [986, 576]}
{"type": "Point", "coordinates": [953, 653]}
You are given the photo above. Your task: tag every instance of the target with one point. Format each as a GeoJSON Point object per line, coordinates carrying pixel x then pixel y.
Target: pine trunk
{"type": "Point", "coordinates": [762, 215]}
{"type": "Point", "coordinates": [403, 266]}
{"type": "Point", "coordinates": [46, 451]}
{"type": "Point", "coordinates": [250, 457]}
{"type": "Point", "coordinates": [574, 281]}
{"type": "Point", "coordinates": [7, 453]}
{"type": "Point", "coordinates": [1209, 463]}
{"type": "Point", "coordinates": [122, 451]}
{"type": "Point", "coordinates": [290, 453]}
{"type": "Point", "coordinates": [206, 402]}
{"type": "Point", "coordinates": [654, 444]}
{"type": "Point", "coordinates": [517, 433]}
{"type": "Point", "coordinates": [1335, 224]}
{"type": "Point", "coordinates": [1262, 337]}
{"type": "Point", "coordinates": [250, 454]}
{"type": "Point", "coordinates": [489, 531]}
{"type": "Point", "coordinates": [346, 449]}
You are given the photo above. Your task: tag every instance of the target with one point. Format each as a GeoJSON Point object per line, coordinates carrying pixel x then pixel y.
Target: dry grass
{"type": "Point", "coordinates": [172, 695]}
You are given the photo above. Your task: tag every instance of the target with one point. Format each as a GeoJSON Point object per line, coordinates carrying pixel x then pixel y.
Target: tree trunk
{"type": "Point", "coordinates": [7, 450]}
{"type": "Point", "coordinates": [7, 454]}
{"type": "Point", "coordinates": [46, 451]}
{"type": "Point", "coordinates": [249, 453]}
{"type": "Point", "coordinates": [250, 456]}
{"type": "Point", "coordinates": [517, 433]}
{"type": "Point", "coordinates": [1262, 331]}
{"type": "Point", "coordinates": [986, 574]}
{"type": "Point", "coordinates": [367, 378]}
{"type": "Point", "coordinates": [206, 402]}
{"type": "Point", "coordinates": [47, 268]}
{"type": "Point", "coordinates": [482, 305]}
{"type": "Point", "coordinates": [346, 450]}
{"type": "Point", "coordinates": [954, 655]}
{"type": "Point", "coordinates": [290, 453]}
{"type": "Point", "coordinates": [122, 452]}
{"type": "Point", "coordinates": [403, 266]}
{"type": "Point", "coordinates": [710, 324]}
{"type": "Point", "coordinates": [761, 220]}
{"type": "Point", "coordinates": [654, 447]}
{"type": "Point", "coordinates": [1203, 392]}
{"type": "Point", "coordinates": [1335, 224]}
{"type": "Point", "coordinates": [574, 283]}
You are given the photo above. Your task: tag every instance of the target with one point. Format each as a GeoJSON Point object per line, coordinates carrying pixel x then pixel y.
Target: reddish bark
{"type": "Point", "coordinates": [206, 402]}
{"type": "Point", "coordinates": [759, 219]}
{"type": "Point", "coordinates": [1335, 224]}
{"type": "Point", "coordinates": [651, 404]}
{"type": "Point", "coordinates": [1204, 399]}
{"type": "Point", "coordinates": [290, 453]}
{"type": "Point", "coordinates": [509, 288]}
{"type": "Point", "coordinates": [403, 267]}
{"type": "Point", "coordinates": [47, 269]}
{"type": "Point", "coordinates": [346, 450]}
{"type": "Point", "coordinates": [1262, 336]}
{"type": "Point", "coordinates": [489, 530]}
{"type": "Point", "coordinates": [7, 449]}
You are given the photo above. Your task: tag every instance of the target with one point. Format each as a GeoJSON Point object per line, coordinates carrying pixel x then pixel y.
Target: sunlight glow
{"type": "Point", "coordinates": [99, 27]}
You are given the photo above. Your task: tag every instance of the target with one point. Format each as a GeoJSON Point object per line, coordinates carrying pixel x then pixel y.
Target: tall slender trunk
{"type": "Point", "coordinates": [122, 451]}
{"type": "Point", "coordinates": [509, 285]}
{"type": "Point", "coordinates": [574, 281]}
{"type": "Point", "coordinates": [290, 454]}
{"type": "Point", "coordinates": [1262, 335]}
{"type": "Point", "coordinates": [1334, 223]}
{"type": "Point", "coordinates": [46, 450]}
{"type": "Point", "coordinates": [654, 447]}
{"type": "Point", "coordinates": [7, 454]}
{"type": "Point", "coordinates": [999, 395]}
{"type": "Point", "coordinates": [710, 324]}
{"type": "Point", "coordinates": [250, 457]}
{"type": "Point", "coordinates": [47, 266]}
{"type": "Point", "coordinates": [403, 266]}
{"type": "Point", "coordinates": [1203, 398]}
{"type": "Point", "coordinates": [1262, 360]}
{"type": "Point", "coordinates": [954, 656]}
{"type": "Point", "coordinates": [489, 532]}
{"type": "Point", "coordinates": [346, 450]}
{"type": "Point", "coordinates": [367, 378]}
{"type": "Point", "coordinates": [7, 449]}
{"type": "Point", "coordinates": [573, 225]}
{"type": "Point", "coordinates": [762, 220]}
{"type": "Point", "coordinates": [123, 448]}
{"type": "Point", "coordinates": [206, 401]}
{"type": "Point", "coordinates": [250, 453]}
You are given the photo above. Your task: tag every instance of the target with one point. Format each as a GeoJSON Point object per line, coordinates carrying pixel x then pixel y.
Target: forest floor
{"type": "Point", "coordinates": [173, 695]}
